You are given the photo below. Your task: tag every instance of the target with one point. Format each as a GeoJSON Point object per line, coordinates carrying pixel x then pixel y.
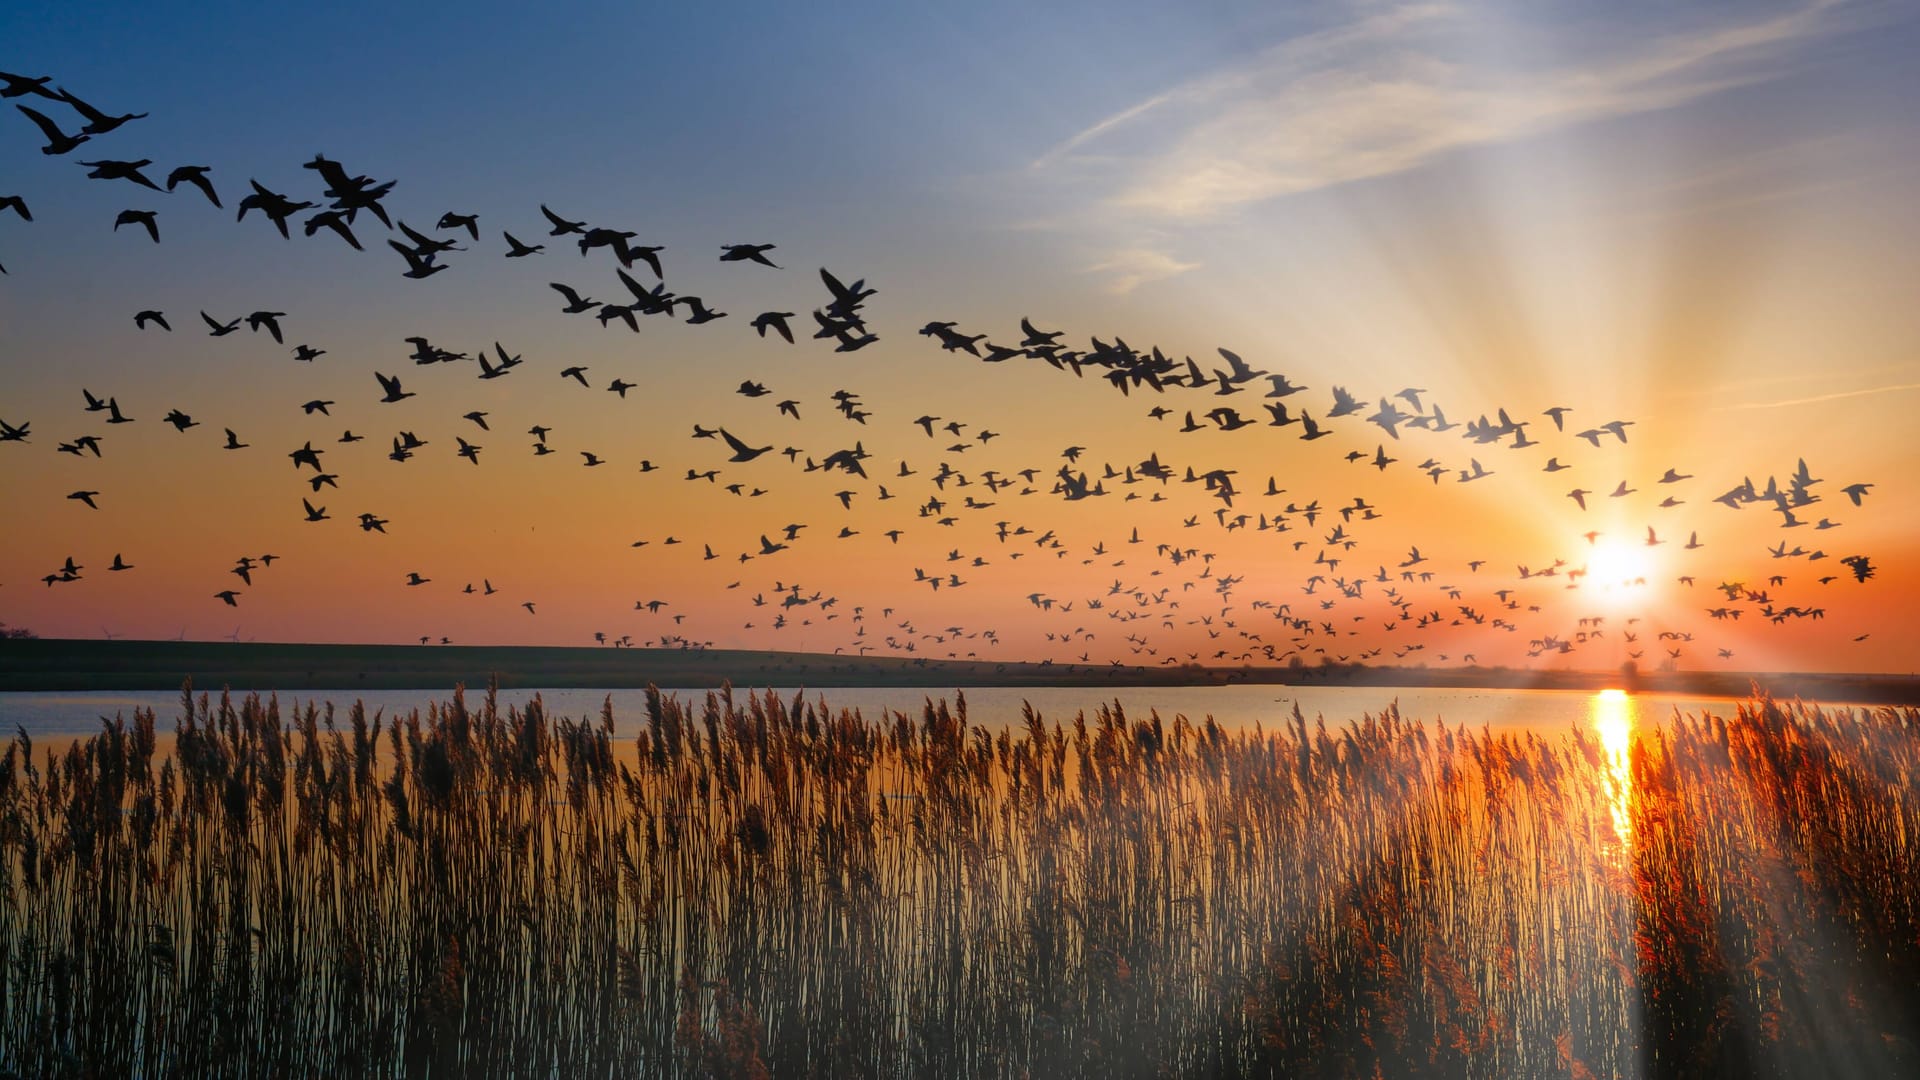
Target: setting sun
{"type": "Point", "coordinates": [1619, 570]}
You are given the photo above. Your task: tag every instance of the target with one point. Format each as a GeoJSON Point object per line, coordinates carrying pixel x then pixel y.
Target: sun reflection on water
{"type": "Point", "coordinates": [1613, 721]}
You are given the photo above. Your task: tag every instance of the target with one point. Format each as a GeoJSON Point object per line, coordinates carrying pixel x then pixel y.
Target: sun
{"type": "Point", "coordinates": [1620, 570]}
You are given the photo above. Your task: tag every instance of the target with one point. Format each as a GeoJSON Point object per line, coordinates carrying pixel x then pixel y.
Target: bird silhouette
{"type": "Point", "coordinates": [143, 218]}
{"type": "Point", "coordinates": [111, 169]}
{"type": "Point", "coordinates": [747, 253]}
{"type": "Point", "coordinates": [469, 222]}
{"type": "Point", "coordinates": [98, 123]}
{"type": "Point", "coordinates": [195, 175]}
{"type": "Point", "coordinates": [741, 451]}
{"type": "Point", "coordinates": [12, 86]}
{"type": "Point", "coordinates": [391, 384]}
{"type": "Point", "coordinates": [58, 142]}
{"type": "Point", "coordinates": [776, 321]}
{"type": "Point", "coordinates": [418, 266]}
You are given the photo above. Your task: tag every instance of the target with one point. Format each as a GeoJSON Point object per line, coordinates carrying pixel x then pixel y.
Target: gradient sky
{"type": "Point", "coordinates": [1698, 219]}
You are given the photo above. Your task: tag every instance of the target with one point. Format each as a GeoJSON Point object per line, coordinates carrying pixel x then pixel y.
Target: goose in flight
{"type": "Point", "coordinates": [314, 513]}
{"type": "Point", "coordinates": [98, 123]}
{"type": "Point", "coordinates": [58, 142]}
{"type": "Point", "coordinates": [143, 218]}
{"type": "Point", "coordinates": [12, 86]}
{"type": "Point", "coordinates": [277, 207]}
{"type": "Point", "coordinates": [229, 595]}
{"type": "Point", "coordinates": [741, 451]}
{"type": "Point", "coordinates": [561, 226]}
{"type": "Point", "coordinates": [418, 266]}
{"type": "Point", "coordinates": [391, 384]}
{"type": "Point", "coordinates": [1036, 338]}
{"type": "Point", "coordinates": [1343, 403]}
{"type": "Point", "coordinates": [518, 250]}
{"type": "Point", "coordinates": [197, 176]}
{"type": "Point", "coordinates": [86, 497]}
{"type": "Point", "coordinates": [776, 321]}
{"type": "Point", "coordinates": [701, 314]}
{"type": "Point", "coordinates": [142, 318]}
{"type": "Point", "coordinates": [270, 320]}
{"type": "Point", "coordinates": [575, 302]}
{"type": "Point", "coordinates": [111, 169]}
{"type": "Point", "coordinates": [747, 253]}
{"type": "Point", "coordinates": [469, 222]}
{"type": "Point", "coordinates": [335, 220]}
{"type": "Point", "coordinates": [216, 328]}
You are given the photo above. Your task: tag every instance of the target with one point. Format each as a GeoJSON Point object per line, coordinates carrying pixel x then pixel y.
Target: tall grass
{"type": "Point", "coordinates": [762, 887]}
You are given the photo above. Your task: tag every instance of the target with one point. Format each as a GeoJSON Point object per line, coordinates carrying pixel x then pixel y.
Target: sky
{"type": "Point", "coordinates": [1694, 219]}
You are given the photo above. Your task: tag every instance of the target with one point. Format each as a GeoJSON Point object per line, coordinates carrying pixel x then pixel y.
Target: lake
{"type": "Point", "coordinates": [1540, 711]}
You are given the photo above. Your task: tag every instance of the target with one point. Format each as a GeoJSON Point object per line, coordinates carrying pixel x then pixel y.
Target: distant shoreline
{"type": "Point", "coordinates": [68, 665]}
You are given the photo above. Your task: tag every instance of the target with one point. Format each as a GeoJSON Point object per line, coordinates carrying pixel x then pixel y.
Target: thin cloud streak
{"type": "Point", "coordinates": [1134, 267]}
{"type": "Point", "coordinates": [1898, 387]}
{"type": "Point", "coordinates": [1381, 96]}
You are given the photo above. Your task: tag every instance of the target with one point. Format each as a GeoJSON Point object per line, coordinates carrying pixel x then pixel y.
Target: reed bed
{"type": "Point", "coordinates": [754, 886]}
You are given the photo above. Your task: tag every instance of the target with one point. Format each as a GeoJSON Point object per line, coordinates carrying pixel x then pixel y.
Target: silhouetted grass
{"type": "Point", "coordinates": [764, 887]}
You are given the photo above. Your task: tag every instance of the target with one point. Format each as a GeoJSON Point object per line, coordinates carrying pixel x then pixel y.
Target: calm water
{"type": "Point", "coordinates": [1543, 711]}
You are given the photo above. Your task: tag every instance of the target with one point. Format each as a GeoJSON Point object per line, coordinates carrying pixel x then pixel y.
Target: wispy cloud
{"type": "Point", "coordinates": [1131, 268]}
{"type": "Point", "coordinates": [1817, 398]}
{"type": "Point", "coordinates": [1390, 91]}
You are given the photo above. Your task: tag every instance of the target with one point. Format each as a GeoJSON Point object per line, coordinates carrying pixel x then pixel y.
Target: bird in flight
{"type": "Point", "coordinates": [747, 253]}
{"type": "Point", "coordinates": [391, 384]}
{"type": "Point", "coordinates": [98, 123]}
{"type": "Point", "coordinates": [110, 169]}
{"type": "Point", "coordinates": [58, 142]}
{"type": "Point", "coordinates": [741, 451]}
{"type": "Point", "coordinates": [195, 175]}
{"type": "Point", "coordinates": [142, 218]}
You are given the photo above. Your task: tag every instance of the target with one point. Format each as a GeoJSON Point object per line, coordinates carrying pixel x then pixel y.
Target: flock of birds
{"type": "Point", "coordinates": [1172, 597]}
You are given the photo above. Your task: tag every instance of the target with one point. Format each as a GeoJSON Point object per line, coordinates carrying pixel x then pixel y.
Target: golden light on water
{"type": "Point", "coordinates": [1613, 721]}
